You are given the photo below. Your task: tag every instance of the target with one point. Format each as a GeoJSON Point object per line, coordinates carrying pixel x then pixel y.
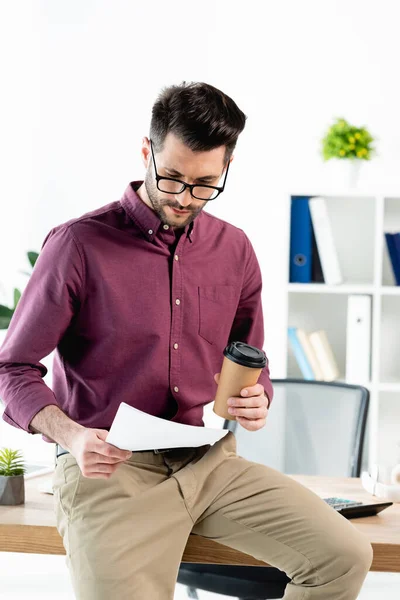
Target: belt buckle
{"type": "Point", "coordinates": [161, 451]}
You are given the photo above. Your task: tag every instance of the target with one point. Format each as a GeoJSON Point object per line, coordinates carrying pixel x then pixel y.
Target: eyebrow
{"type": "Point", "coordinates": [206, 177]}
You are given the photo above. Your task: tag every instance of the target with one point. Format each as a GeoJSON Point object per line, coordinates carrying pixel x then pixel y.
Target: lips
{"type": "Point", "coordinates": [180, 212]}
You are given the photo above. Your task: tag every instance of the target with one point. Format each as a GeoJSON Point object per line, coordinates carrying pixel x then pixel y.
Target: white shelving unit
{"type": "Point", "coordinates": [359, 222]}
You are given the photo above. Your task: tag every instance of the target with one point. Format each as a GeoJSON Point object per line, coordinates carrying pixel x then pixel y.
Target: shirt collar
{"type": "Point", "coordinates": [144, 217]}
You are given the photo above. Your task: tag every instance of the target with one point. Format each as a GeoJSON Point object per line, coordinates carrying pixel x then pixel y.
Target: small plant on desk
{"type": "Point", "coordinates": [12, 485]}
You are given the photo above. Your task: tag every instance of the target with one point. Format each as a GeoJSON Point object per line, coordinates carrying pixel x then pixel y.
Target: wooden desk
{"type": "Point", "coordinates": [30, 527]}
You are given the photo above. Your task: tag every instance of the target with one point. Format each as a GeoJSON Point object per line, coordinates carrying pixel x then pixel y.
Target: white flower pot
{"type": "Point", "coordinates": [353, 173]}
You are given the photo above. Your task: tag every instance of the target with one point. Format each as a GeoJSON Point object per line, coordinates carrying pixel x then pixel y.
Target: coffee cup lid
{"type": "Point", "coordinates": [246, 355]}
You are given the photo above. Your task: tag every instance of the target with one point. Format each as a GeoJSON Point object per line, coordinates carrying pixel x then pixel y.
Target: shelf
{"type": "Point", "coordinates": [348, 193]}
{"type": "Point", "coordinates": [352, 193]}
{"type": "Point", "coordinates": [358, 219]}
{"type": "Point", "coordinates": [389, 386]}
{"type": "Point", "coordinates": [322, 288]}
{"type": "Point", "coordinates": [389, 290]}
{"type": "Point", "coordinates": [344, 288]}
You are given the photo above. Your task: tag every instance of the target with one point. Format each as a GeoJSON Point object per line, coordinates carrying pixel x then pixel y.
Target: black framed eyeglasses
{"type": "Point", "coordinates": [168, 185]}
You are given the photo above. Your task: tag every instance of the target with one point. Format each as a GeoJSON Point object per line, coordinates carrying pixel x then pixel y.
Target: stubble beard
{"type": "Point", "coordinates": [158, 206]}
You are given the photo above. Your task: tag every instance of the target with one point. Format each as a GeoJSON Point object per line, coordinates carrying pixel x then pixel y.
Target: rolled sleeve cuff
{"type": "Point", "coordinates": [20, 416]}
{"type": "Point", "coordinates": [265, 381]}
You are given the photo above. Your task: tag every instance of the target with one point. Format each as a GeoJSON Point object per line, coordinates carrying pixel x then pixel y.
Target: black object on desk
{"type": "Point", "coordinates": [352, 509]}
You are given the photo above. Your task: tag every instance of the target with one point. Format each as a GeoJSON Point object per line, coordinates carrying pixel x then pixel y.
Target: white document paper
{"type": "Point", "coordinates": [133, 429]}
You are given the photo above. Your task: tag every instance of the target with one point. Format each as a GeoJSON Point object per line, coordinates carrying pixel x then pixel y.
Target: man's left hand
{"type": "Point", "coordinates": [250, 408]}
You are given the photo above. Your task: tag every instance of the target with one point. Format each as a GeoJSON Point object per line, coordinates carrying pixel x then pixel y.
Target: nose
{"type": "Point", "coordinates": [184, 199]}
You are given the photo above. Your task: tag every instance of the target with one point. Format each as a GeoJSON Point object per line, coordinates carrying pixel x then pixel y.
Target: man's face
{"type": "Point", "coordinates": [179, 162]}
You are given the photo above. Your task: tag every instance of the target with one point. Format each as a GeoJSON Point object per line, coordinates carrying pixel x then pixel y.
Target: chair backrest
{"type": "Point", "coordinates": [313, 428]}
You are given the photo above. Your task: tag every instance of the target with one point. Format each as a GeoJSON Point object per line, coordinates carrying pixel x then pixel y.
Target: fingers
{"type": "Point", "coordinates": [252, 402]}
{"type": "Point", "coordinates": [250, 413]}
{"type": "Point", "coordinates": [94, 458]}
{"type": "Point", "coordinates": [100, 470]}
{"type": "Point", "coordinates": [251, 425]}
{"type": "Point", "coordinates": [253, 390]}
{"type": "Point", "coordinates": [109, 451]}
{"type": "Point", "coordinates": [102, 464]}
{"type": "Point", "coordinates": [97, 458]}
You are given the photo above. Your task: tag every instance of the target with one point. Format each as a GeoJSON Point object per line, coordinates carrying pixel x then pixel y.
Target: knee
{"type": "Point", "coordinates": [357, 554]}
{"type": "Point", "coordinates": [366, 555]}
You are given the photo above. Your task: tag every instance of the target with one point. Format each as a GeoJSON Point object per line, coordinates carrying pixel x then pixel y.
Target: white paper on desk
{"type": "Point", "coordinates": [133, 429]}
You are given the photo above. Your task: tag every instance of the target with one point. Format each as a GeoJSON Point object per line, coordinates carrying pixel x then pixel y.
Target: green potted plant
{"type": "Point", "coordinates": [6, 313]}
{"type": "Point", "coordinates": [348, 143]}
{"type": "Point", "coordinates": [12, 483]}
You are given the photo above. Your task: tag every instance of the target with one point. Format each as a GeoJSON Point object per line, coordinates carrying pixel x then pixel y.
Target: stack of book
{"type": "Point", "coordinates": [314, 354]}
{"type": "Point", "coordinates": [313, 253]}
{"type": "Point", "coordinates": [393, 246]}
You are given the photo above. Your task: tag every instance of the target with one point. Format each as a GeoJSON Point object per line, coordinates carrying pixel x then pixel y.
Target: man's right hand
{"type": "Point", "coordinates": [96, 458]}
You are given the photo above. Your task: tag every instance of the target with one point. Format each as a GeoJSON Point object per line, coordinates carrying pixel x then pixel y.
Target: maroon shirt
{"type": "Point", "coordinates": [137, 312]}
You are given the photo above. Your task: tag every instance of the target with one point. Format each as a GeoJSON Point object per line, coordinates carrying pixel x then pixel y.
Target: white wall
{"type": "Point", "coordinates": [81, 76]}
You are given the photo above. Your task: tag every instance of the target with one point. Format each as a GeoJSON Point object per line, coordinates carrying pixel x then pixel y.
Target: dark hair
{"type": "Point", "coordinates": [200, 115]}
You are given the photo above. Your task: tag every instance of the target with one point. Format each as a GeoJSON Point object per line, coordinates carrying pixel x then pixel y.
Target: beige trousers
{"type": "Point", "coordinates": [124, 537]}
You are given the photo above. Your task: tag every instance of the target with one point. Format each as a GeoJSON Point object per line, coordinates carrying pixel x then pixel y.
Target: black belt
{"type": "Point", "coordinates": [60, 450]}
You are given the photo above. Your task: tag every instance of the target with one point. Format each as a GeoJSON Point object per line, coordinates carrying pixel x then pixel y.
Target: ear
{"type": "Point", "coordinates": [230, 162]}
{"type": "Point", "coordinates": [146, 152]}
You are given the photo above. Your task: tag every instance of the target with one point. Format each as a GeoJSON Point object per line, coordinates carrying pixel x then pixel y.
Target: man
{"type": "Point", "coordinates": [139, 298]}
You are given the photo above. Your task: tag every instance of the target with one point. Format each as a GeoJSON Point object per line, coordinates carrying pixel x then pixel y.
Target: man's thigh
{"type": "Point", "coordinates": [255, 509]}
{"type": "Point", "coordinates": [123, 536]}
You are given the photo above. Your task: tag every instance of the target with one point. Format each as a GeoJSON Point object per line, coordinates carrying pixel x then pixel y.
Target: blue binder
{"type": "Point", "coordinates": [300, 240]}
{"type": "Point", "coordinates": [393, 245]}
{"type": "Point", "coordinates": [300, 355]}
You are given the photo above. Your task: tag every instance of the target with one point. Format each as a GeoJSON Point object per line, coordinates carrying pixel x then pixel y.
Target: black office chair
{"type": "Point", "coordinates": [313, 428]}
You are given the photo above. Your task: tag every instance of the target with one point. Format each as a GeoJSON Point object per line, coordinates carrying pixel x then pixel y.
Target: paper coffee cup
{"type": "Point", "coordinates": [241, 367]}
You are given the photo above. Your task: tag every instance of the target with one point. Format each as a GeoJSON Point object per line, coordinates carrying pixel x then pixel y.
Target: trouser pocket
{"type": "Point", "coordinates": [66, 480]}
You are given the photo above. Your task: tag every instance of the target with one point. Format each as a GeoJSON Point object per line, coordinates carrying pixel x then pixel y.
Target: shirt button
{"type": "Point", "coordinates": [150, 231]}
{"type": "Point", "coordinates": [166, 226]}
{"type": "Point", "coordinates": [176, 389]}
{"type": "Point", "coordinates": [176, 346]}
{"type": "Point", "coordinates": [177, 301]}
{"type": "Point", "coordinates": [176, 257]}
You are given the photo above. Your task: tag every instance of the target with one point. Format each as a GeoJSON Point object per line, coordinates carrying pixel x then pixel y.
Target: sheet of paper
{"type": "Point", "coordinates": [133, 429]}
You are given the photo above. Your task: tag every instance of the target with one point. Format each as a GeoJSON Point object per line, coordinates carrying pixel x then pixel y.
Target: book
{"type": "Point", "coordinates": [300, 354]}
{"type": "Point", "coordinates": [324, 354]}
{"type": "Point", "coordinates": [358, 339]}
{"type": "Point", "coordinates": [325, 241]}
{"type": "Point", "coordinates": [300, 240]}
{"type": "Point", "coordinates": [317, 275]}
{"type": "Point", "coordinates": [310, 354]}
{"type": "Point", "coordinates": [394, 253]}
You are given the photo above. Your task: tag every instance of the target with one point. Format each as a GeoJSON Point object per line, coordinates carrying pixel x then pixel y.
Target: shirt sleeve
{"type": "Point", "coordinates": [43, 314]}
{"type": "Point", "coordinates": [248, 325]}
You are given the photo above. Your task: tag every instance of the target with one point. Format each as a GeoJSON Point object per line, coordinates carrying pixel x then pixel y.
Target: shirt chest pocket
{"type": "Point", "coordinates": [217, 309]}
